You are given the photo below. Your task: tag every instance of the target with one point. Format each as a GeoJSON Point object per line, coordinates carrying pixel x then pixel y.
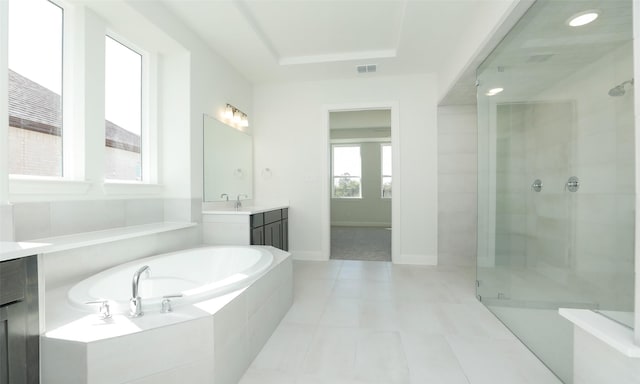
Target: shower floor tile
{"type": "Point", "coordinates": [365, 322]}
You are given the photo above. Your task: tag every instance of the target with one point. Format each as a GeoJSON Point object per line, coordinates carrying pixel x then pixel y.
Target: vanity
{"type": "Point", "coordinates": [247, 226]}
{"type": "Point", "coordinates": [19, 314]}
{"type": "Point", "coordinates": [228, 182]}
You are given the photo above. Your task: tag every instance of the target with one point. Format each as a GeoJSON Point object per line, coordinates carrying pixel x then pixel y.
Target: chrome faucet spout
{"type": "Point", "coordinates": [135, 303]}
{"type": "Point", "coordinates": [238, 203]}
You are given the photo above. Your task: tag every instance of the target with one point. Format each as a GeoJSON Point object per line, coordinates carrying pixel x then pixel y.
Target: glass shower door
{"type": "Point", "coordinates": [556, 174]}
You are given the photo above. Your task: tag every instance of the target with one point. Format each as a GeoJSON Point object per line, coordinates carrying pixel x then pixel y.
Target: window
{"type": "Point", "coordinates": [35, 88]}
{"type": "Point", "coordinates": [347, 171]}
{"type": "Point", "coordinates": [123, 112]}
{"type": "Point", "coordinates": [386, 170]}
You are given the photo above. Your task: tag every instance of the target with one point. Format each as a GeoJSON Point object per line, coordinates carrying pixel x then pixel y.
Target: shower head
{"type": "Point", "coordinates": [619, 90]}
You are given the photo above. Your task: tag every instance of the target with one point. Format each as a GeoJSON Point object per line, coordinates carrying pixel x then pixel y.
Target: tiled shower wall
{"type": "Point", "coordinates": [457, 185]}
{"type": "Point", "coordinates": [580, 241]}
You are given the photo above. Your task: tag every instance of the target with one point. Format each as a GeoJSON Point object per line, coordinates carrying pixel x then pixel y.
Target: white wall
{"type": "Point", "coordinates": [474, 40]}
{"type": "Point", "coordinates": [6, 214]}
{"type": "Point", "coordinates": [291, 138]}
{"type": "Point", "coordinates": [457, 185]}
{"type": "Point", "coordinates": [211, 83]}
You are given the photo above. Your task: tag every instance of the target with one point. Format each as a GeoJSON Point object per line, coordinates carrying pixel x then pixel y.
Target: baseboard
{"type": "Point", "coordinates": [361, 224]}
{"type": "Point", "coordinates": [308, 255]}
{"type": "Point", "coordinates": [416, 259]}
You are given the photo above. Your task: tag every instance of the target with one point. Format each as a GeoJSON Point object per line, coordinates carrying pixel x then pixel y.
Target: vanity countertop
{"type": "Point", "coordinates": [15, 250]}
{"type": "Point", "coordinates": [249, 210]}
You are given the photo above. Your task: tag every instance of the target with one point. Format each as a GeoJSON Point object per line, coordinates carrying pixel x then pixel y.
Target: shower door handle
{"type": "Point", "coordinates": [572, 185]}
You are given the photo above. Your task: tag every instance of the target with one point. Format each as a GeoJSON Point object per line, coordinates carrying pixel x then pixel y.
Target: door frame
{"type": "Point", "coordinates": [325, 219]}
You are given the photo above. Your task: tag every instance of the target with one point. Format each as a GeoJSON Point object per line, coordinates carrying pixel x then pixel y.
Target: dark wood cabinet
{"type": "Point", "coordinates": [19, 324]}
{"type": "Point", "coordinates": [271, 228]}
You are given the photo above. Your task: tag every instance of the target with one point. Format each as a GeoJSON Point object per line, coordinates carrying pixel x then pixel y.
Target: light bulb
{"type": "Point", "coordinates": [228, 112]}
{"type": "Point", "coordinates": [237, 116]}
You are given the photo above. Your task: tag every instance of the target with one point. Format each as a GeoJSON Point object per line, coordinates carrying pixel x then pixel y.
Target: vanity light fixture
{"type": "Point", "coordinates": [235, 116]}
{"type": "Point", "coordinates": [494, 91]}
{"type": "Point", "coordinates": [583, 18]}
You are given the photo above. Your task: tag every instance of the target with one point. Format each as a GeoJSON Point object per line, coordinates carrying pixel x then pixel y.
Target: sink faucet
{"type": "Point", "coordinates": [135, 303]}
{"type": "Point", "coordinates": [238, 203]}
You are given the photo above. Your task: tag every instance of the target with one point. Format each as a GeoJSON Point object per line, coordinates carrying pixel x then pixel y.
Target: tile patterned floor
{"type": "Point", "coordinates": [360, 322]}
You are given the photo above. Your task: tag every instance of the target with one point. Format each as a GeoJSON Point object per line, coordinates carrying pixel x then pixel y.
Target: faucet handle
{"type": "Point", "coordinates": [105, 311]}
{"type": "Point", "coordinates": [166, 302]}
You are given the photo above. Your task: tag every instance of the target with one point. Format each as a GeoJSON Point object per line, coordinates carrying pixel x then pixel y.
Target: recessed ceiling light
{"type": "Point", "coordinates": [494, 91]}
{"type": "Point", "coordinates": [583, 18]}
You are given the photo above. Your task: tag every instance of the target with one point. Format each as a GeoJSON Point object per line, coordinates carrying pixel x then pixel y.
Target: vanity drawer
{"type": "Point", "coordinates": [272, 216]}
{"type": "Point", "coordinates": [12, 277]}
{"type": "Point", "coordinates": [257, 220]}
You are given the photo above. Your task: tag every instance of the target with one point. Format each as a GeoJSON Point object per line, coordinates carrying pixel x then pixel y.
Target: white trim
{"type": "Point", "coordinates": [386, 140]}
{"type": "Point", "coordinates": [636, 89]}
{"type": "Point", "coordinates": [4, 103]}
{"type": "Point", "coordinates": [372, 224]}
{"type": "Point", "coordinates": [325, 208]}
{"type": "Point", "coordinates": [308, 255]}
{"type": "Point", "coordinates": [337, 57]}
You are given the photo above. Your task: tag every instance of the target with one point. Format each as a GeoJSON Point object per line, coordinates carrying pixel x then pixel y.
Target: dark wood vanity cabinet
{"type": "Point", "coordinates": [19, 323]}
{"type": "Point", "coordinates": [271, 228]}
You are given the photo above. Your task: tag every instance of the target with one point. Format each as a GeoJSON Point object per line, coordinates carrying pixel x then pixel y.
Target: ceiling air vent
{"type": "Point", "coordinates": [539, 58]}
{"type": "Point", "coordinates": [368, 68]}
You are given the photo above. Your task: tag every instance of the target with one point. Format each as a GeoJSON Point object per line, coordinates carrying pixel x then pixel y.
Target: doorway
{"type": "Point", "coordinates": [361, 178]}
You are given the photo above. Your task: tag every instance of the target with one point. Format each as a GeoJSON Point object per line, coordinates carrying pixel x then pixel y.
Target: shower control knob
{"type": "Point", "coordinates": [573, 184]}
{"type": "Point", "coordinates": [536, 185]}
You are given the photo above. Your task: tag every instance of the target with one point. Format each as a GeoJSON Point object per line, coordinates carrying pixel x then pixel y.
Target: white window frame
{"type": "Point", "coordinates": [65, 101]}
{"type": "Point", "coordinates": [333, 176]}
{"type": "Point", "coordinates": [148, 136]}
{"type": "Point", "coordinates": [80, 178]}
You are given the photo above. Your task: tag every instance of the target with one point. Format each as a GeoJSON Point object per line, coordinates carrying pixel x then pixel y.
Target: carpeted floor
{"type": "Point", "coordinates": [359, 243]}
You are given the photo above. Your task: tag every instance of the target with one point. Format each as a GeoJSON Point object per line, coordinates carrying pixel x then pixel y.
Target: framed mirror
{"type": "Point", "coordinates": [228, 161]}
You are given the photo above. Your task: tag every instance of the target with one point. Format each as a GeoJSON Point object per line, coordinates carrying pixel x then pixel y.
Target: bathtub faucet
{"type": "Point", "coordinates": [135, 303]}
{"type": "Point", "coordinates": [238, 203]}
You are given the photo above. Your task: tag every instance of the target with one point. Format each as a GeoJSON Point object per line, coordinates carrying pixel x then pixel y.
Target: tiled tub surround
{"type": "Point", "coordinates": [212, 341]}
{"type": "Point", "coordinates": [35, 220]}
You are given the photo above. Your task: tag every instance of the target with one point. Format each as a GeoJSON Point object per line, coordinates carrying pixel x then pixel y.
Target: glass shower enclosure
{"type": "Point", "coordinates": [556, 173]}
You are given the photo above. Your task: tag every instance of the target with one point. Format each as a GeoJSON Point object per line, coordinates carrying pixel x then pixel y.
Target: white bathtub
{"type": "Point", "coordinates": [197, 274]}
